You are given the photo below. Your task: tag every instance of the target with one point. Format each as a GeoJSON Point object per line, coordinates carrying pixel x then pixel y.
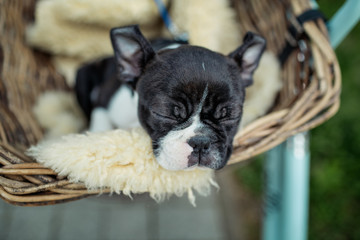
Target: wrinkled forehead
{"type": "Point", "coordinates": [199, 90]}
{"type": "Point", "coordinates": [188, 71]}
{"type": "Point", "coordinates": [194, 60]}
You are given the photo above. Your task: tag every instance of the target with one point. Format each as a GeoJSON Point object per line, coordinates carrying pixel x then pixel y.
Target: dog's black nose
{"type": "Point", "coordinates": [200, 144]}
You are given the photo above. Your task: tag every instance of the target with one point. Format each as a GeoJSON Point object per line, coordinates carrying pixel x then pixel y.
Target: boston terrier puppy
{"type": "Point", "coordinates": [188, 99]}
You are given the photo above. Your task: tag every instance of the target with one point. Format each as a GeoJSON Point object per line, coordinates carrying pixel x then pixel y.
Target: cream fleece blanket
{"type": "Point", "coordinates": [122, 160]}
{"type": "Point", "coordinates": [77, 31]}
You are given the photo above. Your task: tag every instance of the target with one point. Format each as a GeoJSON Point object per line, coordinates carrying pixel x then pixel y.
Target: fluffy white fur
{"type": "Point", "coordinates": [77, 31]}
{"type": "Point", "coordinates": [59, 114]}
{"type": "Point", "coordinates": [121, 160]}
{"type": "Point", "coordinates": [79, 28]}
{"type": "Point", "coordinates": [209, 23]}
{"type": "Point", "coordinates": [261, 95]}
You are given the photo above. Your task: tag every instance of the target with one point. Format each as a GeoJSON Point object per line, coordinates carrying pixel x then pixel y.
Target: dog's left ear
{"type": "Point", "coordinates": [248, 56]}
{"type": "Point", "coordinates": [132, 52]}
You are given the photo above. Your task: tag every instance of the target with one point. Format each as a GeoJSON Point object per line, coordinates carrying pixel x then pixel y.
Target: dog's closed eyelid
{"type": "Point", "coordinates": [222, 112]}
{"type": "Point", "coordinates": [163, 116]}
{"type": "Point", "coordinates": [179, 112]}
{"type": "Point", "coordinates": [158, 114]}
{"type": "Point", "coordinates": [227, 114]}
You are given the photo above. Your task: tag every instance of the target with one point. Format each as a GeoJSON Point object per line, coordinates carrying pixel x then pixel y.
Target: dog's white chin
{"type": "Point", "coordinates": [175, 156]}
{"type": "Point", "coordinates": [174, 151]}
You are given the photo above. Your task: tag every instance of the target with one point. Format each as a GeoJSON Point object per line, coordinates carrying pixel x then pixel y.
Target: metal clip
{"type": "Point", "coordinates": [303, 48]}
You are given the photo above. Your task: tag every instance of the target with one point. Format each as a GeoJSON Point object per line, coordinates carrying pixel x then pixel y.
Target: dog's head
{"type": "Point", "coordinates": [190, 98]}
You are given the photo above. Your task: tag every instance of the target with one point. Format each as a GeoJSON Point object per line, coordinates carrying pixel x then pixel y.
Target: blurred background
{"type": "Point", "coordinates": [335, 153]}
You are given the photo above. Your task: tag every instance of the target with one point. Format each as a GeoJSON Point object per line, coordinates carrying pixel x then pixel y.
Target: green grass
{"type": "Point", "coordinates": [335, 150]}
{"type": "Point", "coordinates": [335, 154]}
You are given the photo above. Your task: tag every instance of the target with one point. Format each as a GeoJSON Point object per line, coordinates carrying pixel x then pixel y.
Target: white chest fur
{"type": "Point", "coordinates": [121, 112]}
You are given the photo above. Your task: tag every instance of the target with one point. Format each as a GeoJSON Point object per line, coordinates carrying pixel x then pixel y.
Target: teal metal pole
{"type": "Point", "coordinates": [287, 184]}
{"type": "Point", "coordinates": [343, 21]}
{"type": "Point", "coordinates": [272, 200]}
{"type": "Point", "coordinates": [294, 208]}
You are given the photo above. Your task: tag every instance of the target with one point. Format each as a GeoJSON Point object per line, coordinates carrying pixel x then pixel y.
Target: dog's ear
{"type": "Point", "coordinates": [132, 52]}
{"type": "Point", "coordinates": [248, 56]}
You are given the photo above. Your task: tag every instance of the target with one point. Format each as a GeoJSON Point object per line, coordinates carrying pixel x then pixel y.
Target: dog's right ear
{"type": "Point", "coordinates": [132, 52]}
{"type": "Point", "coordinates": [248, 56]}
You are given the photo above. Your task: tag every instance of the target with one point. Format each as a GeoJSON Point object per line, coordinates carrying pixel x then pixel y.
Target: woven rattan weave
{"type": "Point", "coordinates": [310, 95]}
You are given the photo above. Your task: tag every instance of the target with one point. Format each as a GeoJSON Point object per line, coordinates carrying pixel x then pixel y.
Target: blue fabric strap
{"type": "Point", "coordinates": [164, 14]}
{"type": "Point", "coordinates": [181, 36]}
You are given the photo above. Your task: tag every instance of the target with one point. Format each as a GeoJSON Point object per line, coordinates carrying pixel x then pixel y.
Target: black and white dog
{"type": "Point", "coordinates": [189, 99]}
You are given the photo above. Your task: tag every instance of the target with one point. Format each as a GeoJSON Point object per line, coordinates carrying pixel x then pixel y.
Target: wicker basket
{"type": "Point", "coordinates": [310, 94]}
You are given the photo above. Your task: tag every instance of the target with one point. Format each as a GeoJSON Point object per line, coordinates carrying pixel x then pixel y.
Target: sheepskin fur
{"type": "Point", "coordinates": [261, 95]}
{"type": "Point", "coordinates": [59, 114]}
{"type": "Point", "coordinates": [210, 23]}
{"type": "Point", "coordinates": [80, 29]}
{"type": "Point", "coordinates": [121, 160]}
{"type": "Point", "coordinates": [77, 31]}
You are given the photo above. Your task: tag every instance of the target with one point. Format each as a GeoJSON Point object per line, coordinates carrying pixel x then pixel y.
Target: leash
{"type": "Point", "coordinates": [172, 28]}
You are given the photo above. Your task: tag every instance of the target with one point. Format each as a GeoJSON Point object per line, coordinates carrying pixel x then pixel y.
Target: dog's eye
{"type": "Point", "coordinates": [179, 112]}
{"type": "Point", "coordinates": [163, 116]}
{"type": "Point", "coordinates": [222, 113]}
